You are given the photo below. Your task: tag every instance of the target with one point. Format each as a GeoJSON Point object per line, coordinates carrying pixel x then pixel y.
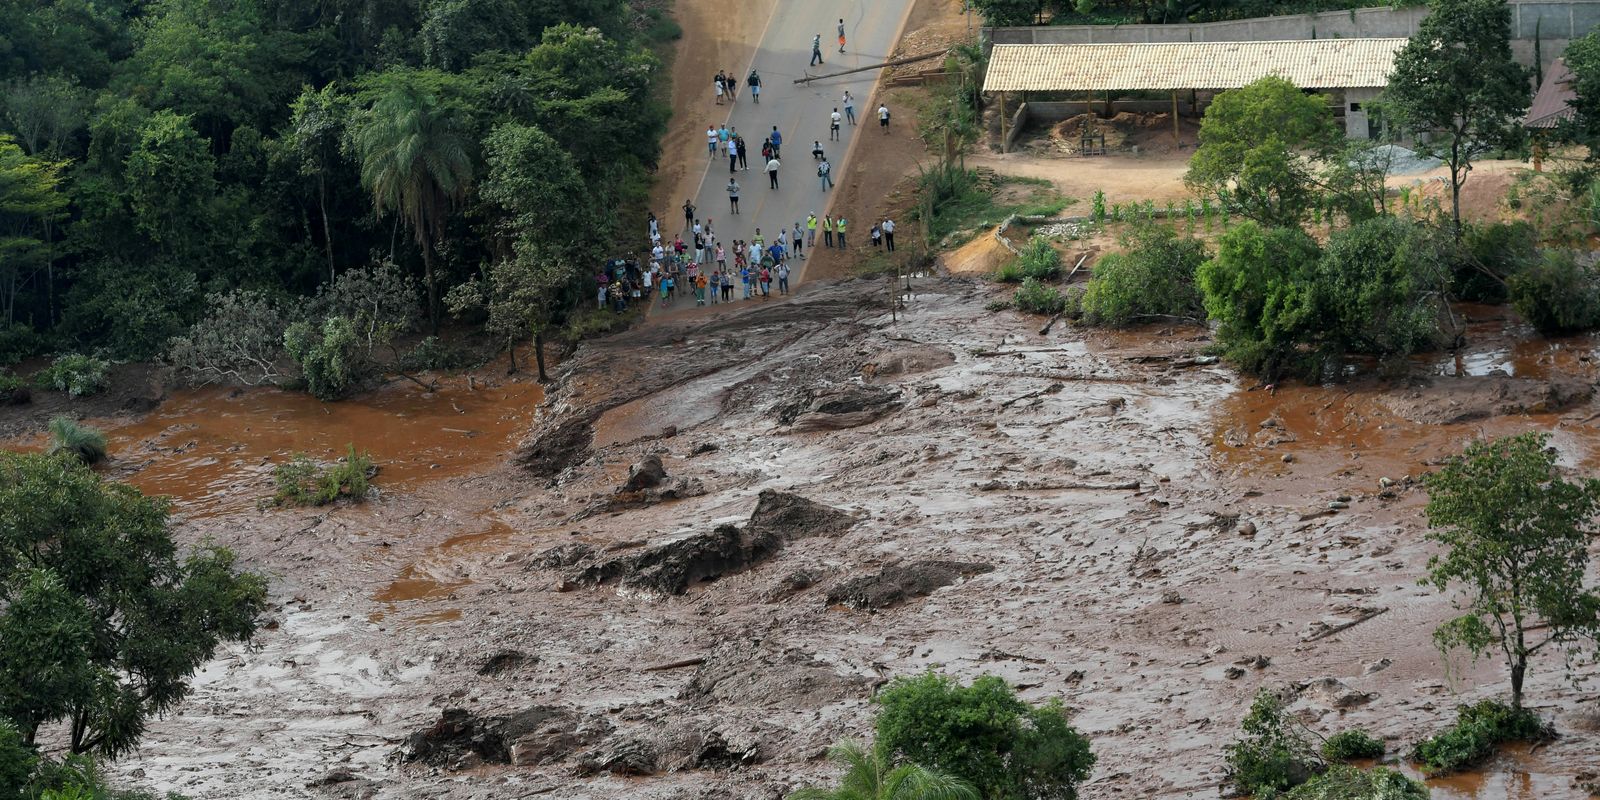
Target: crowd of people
{"type": "Point", "coordinates": [697, 263]}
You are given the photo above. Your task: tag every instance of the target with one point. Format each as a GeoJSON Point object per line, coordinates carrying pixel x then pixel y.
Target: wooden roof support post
{"type": "Point", "coordinates": [1004, 122]}
{"type": "Point", "coordinates": [1175, 117]}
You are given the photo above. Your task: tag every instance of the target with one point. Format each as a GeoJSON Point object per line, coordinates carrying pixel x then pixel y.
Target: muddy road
{"type": "Point", "coordinates": [685, 571]}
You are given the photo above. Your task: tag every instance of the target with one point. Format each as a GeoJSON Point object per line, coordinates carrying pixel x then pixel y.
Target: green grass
{"type": "Point", "coordinates": [1352, 744]}
{"type": "Point", "coordinates": [962, 199]}
{"type": "Point", "coordinates": [304, 482]}
{"type": "Point", "coordinates": [80, 441]}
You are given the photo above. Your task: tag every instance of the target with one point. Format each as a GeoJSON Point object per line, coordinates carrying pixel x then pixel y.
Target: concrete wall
{"type": "Point", "coordinates": [1556, 21]}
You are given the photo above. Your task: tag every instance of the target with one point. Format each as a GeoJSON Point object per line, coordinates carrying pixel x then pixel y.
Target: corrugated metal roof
{"type": "Point", "coordinates": [1309, 64]}
{"type": "Point", "coordinates": [1551, 104]}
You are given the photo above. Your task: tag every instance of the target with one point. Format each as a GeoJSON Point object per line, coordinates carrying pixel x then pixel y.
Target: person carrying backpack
{"type": "Point", "coordinates": [754, 82]}
{"type": "Point", "coordinates": [825, 175]}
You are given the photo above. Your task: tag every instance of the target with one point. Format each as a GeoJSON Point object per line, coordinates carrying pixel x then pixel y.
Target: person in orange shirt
{"type": "Point", "coordinates": [700, 290]}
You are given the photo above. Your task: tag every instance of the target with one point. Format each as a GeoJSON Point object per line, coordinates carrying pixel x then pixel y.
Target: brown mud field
{"type": "Point", "coordinates": [685, 572]}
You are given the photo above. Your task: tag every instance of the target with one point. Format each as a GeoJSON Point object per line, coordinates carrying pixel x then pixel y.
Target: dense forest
{"type": "Point", "coordinates": [166, 160]}
{"type": "Point", "coordinates": [1119, 12]}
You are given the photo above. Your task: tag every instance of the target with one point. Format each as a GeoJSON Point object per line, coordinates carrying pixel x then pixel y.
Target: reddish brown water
{"type": "Point", "coordinates": [212, 450]}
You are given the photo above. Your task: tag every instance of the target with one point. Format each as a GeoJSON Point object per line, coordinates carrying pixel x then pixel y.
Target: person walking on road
{"type": "Point", "coordinates": [754, 82]}
{"type": "Point", "coordinates": [888, 234]}
{"type": "Point", "coordinates": [722, 138]}
{"type": "Point", "coordinates": [744, 150]}
{"type": "Point", "coordinates": [733, 195]}
{"type": "Point", "coordinates": [777, 141]}
{"type": "Point", "coordinates": [883, 117]}
{"type": "Point", "coordinates": [799, 240]}
{"type": "Point", "coordinates": [816, 50]}
{"type": "Point", "coordinates": [841, 36]}
{"type": "Point", "coordinates": [833, 126]}
{"type": "Point", "coordinates": [722, 86]}
{"type": "Point", "coordinates": [827, 231]}
{"type": "Point", "coordinates": [711, 140]}
{"type": "Point", "coordinates": [772, 171]}
{"type": "Point", "coordinates": [849, 107]}
{"type": "Point", "coordinates": [825, 175]}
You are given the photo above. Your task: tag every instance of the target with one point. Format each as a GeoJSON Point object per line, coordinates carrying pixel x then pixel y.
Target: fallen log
{"type": "Point", "coordinates": [890, 63]}
{"type": "Point", "coordinates": [687, 662]}
{"type": "Point", "coordinates": [1333, 629]}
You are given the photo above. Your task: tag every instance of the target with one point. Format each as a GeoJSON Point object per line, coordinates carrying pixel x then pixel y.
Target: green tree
{"type": "Point", "coordinates": [30, 198]}
{"type": "Point", "coordinates": [1583, 61]}
{"type": "Point", "coordinates": [102, 620]}
{"type": "Point", "coordinates": [316, 125]}
{"type": "Point", "coordinates": [872, 775]}
{"type": "Point", "coordinates": [17, 760]}
{"type": "Point", "coordinates": [1258, 287]}
{"type": "Point", "coordinates": [984, 734]}
{"type": "Point", "coordinates": [1155, 276]}
{"type": "Point", "coordinates": [1009, 12]}
{"type": "Point", "coordinates": [1556, 294]}
{"type": "Point", "coordinates": [1455, 79]}
{"type": "Point", "coordinates": [1259, 147]}
{"type": "Point", "coordinates": [415, 164]}
{"type": "Point", "coordinates": [46, 111]}
{"type": "Point", "coordinates": [1516, 537]}
{"type": "Point", "coordinates": [1380, 288]}
{"type": "Point", "coordinates": [1274, 751]}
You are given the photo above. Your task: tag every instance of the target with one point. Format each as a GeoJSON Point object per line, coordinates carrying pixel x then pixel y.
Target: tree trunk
{"type": "Point", "coordinates": [433, 288]}
{"type": "Point", "coordinates": [327, 232]}
{"type": "Point", "coordinates": [538, 355]}
{"type": "Point", "coordinates": [1455, 186]}
{"type": "Point", "coordinates": [1518, 670]}
{"type": "Point", "coordinates": [511, 351]}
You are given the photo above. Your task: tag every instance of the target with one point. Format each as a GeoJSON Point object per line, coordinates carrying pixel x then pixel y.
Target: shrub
{"type": "Point", "coordinates": [1352, 744]}
{"type": "Point", "coordinates": [1039, 260]}
{"type": "Point", "coordinates": [17, 760]}
{"type": "Point", "coordinates": [1557, 295]}
{"type": "Point", "coordinates": [985, 735]}
{"type": "Point", "coordinates": [14, 390]}
{"type": "Point", "coordinates": [1155, 276]}
{"type": "Point", "coordinates": [18, 341]}
{"type": "Point", "coordinates": [1036, 298]}
{"type": "Point", "coordinates": [240, 339]}
{"type": "Point", "coordinates": [1257, 287]}
{"type": "Point", "coordinates": [1274, 752]}
{"type": "Point", "coordinates": [1490, 254]}
{"type": "Point", "coordinates": [1379, 288]}
{"type": "Point", "coordinates": [1348, 783]}
{"type": "Point", "coordinates": [434, 353]}
{"type": "Point", "coordinates": [81, 441]}
{"type": "Point", "coordinates": [77, 375]}
{"type": "Point", "coordinates": [1479, 729]}
{"type": "Point", "coordinates": [332, 360]}
{"type": "Point", "coordinates": [304, 482]}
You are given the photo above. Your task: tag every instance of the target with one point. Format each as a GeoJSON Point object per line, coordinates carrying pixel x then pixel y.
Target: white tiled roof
{"type": "Point", "coordinates": [1309, 64]}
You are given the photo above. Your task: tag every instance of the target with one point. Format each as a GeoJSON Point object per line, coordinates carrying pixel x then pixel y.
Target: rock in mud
{"type": "Point", "coordinates": [672, 749]}
{"type": "Point", "coordinates": [1448, 400]}
{"type": "Point", "coordinates": [744, 673]}
{"type": "Point", "coordinates": [558, 447]}
{"type": "Point", "coordinates": [1333, 693]}
{"type": "Point", "coordinates": [897, 583]}
{"type": "Point", "coordinates": [504, 661]}
{"type": "Point", "coordinates": [646, 474]}
{"type": "Point", "coordinates": [908, 361]}
{"type": "Point", "coordinates": [840, 407]}
{"type": "Point", "coordinates": [537, 735]}
{"type": "Point", "coordinates": [672, 567]}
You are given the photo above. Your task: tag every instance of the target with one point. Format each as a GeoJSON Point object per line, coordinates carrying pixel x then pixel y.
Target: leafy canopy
{"type": "Point", "coordinates": [102, 620]}
{"type": "Point", "coordinates": [1516, 537]}
{"type": "Point", "coordinates": [872, 775]}
{"type": "Point", "coordinates": [1259, 146]}
{"type": "Point", "coordinates": [1258, 287]}
{"type": "Point", "coordinates": [1155, 276]}
{"type": "Point", "coordinates": [984, 734]}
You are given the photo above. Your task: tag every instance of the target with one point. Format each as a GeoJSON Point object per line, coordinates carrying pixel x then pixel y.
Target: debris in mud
{"type": "Point", "coordinates": [646, 474]}
{"type": "Point", "coordinates": [908, 361]}
{"type": "Point", "coordinates": [558, 447]}
{"type": "Point", "coordinates": [537, 735]}
{"type": "Point", "coordinates": [742, 673]}
{"type": "Point", "coordinates": [840, 407]}
{"type": "Point", "coordinates": [672, 567]}
{"type": "Point", "coordinates": [672, 749]}
{"type": "Point", "coordinates": [791, 584]}
{"type": "Point", "coordinates": [702, 448]}
{"type": "Point", "coordinates": [1443, 401]}
{"type": "Point", "coordinates": [1028, 486]}
{"type": "Point", "coordinates": [898, 583]}
{"type": "Point", "coordinates": [504, 661]}
{"type": "Point", "coordinates": [1332, 693]}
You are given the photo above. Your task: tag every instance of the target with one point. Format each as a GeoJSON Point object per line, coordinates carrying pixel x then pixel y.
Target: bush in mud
{"type": "Point", "coordinates": [1479, 729]}
{"type": "Point", "coordinates": [1155, 276]}
{"type": "Point", "coordinates": [1378, 289]}
{"type": "Point", "coordinates": [239, 339]}
{"type": "Point", "coordinates": [331, 359]}
{"type": "Point", "coordinates": [1349, 783]}
{"type": "Point", "coordinates": [1039, 261]}
{"type": "Point", "coordinates": [304, 482]}
{"type": "Point", "coordinates": [1036, 298]}
{"type": "Point", "coordinates": [983, 734]}
{"type": "Point", "coordinates": [1490, 254]}
{"type": "Point", "coordinates": [1274, 752]}
{"type": "Point", "coordinates": [1557, 295]}
{"type": "Point", "coordinates": [1258, 288]}
{"type": "Point", "coordinates": [1352, 744]}
{"type": "Point", "coordinates": [14, 390]}
{"type": "Point", "coordinates": [77, 440]}
{"type": "Point", "coordinates": [77, 375]}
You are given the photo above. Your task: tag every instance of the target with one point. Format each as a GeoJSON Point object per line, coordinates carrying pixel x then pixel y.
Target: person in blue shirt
{"type": "Point", "coordinates": [777, 140]}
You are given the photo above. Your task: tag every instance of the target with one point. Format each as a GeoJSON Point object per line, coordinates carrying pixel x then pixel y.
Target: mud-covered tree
{"type": "Point", "coordinates": [1455, 80]}
{"type": "Point", "coordinates": [985, 735]}
{"type": "Point", "coordinates": [102, 619]}
{"type": "Point", "coordinates": [1258, 287]}
{"type": "Point", "coordinates": [1259, 150]}
{"type": "Point", "coordinates": [870, 774]}
{"type": "Point", "coordinates": [1516, 536]}
{"type": "Point", "coordinates": [1274, 752]}
{"type": "Point", "coordinates": [240, 339]}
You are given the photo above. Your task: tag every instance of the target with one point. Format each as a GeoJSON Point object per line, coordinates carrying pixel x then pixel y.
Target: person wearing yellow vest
{"type": "Point", "coordinates": [827, 231]}
{"type": "Point", "coordinates": [811, 230]}
{"type": "Point", "coordinates": [840, 226]}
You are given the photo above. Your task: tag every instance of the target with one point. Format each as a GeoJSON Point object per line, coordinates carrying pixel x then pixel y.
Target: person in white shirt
{"type": "Point", "coordinates": [849, 107]}
{"type": "Point", "coordinates": [772, 172]}
{"type": "Point", "coordinates": [883, 117]}
{"type": "Point", "coordinates": [833, 126]}
{"type": "Point", "coordinates": [888, 234]}
{"type": "Point", "coordinates": [711, 141]}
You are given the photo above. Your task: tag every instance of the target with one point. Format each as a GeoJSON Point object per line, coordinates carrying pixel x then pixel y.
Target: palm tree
{"type": "Point", "coordinates": [414, 163]}
{"type": "Point", "coordinates": [871, 775]}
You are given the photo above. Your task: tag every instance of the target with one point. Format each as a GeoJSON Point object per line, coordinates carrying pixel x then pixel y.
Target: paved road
{"type": "Point", "coordinates": [801, 113]}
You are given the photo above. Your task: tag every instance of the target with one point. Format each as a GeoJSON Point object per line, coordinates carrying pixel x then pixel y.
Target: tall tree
{"type": "Point", "coordinates": [316, 125]}
{"type": "Point", "coordinates": [102, 620]}
{"type": "Point", "coordinates": [1516, 535]}
{"type": "Point", "coordinates": [870, 774]}
{"type": "Point", "coordinates": [416, 165]}
{"type": "Point", "coordinates": [30, 199]}
{"type": "Point", "coordinates": [1455, 79]}
{"type": "Point", "coordinates": [45, 111]}
{"type": "Point", "coordinates": [1259, 146]}
{"type": "Point", "coordinates": [1583, 61]}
